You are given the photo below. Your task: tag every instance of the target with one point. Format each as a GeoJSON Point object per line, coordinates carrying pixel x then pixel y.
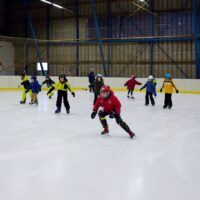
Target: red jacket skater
{"type": "Point", "coordinates": [109, 104]}
{"type": "Point", "coordinates": [131, 83]}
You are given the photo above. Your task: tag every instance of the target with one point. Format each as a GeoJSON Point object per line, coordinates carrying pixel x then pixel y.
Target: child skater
{"type": "Point", "coordinates": [49, 83]}
{"type": "Point", "coordinates": [112, 107]}
{"type": "Point", "coordinates": [168, 86]}
{"type": "Point", "coordinates": [35, 87]}
{"type": "Point", "coordinates": [131, 86]}
{"type": "Point", "coordinates": [98, 83]}
{"type": "Point", "coordinates": [26, 84]}
{"type": "Point", "coordinates": [62, 86]}
{"type": "Point", "coordinates": [149, 91]}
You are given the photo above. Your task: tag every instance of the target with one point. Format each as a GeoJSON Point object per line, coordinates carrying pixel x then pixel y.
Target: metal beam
{"type": "Point", "coordinates": [92, 3]}
{"type": "Point", "coordinates": [109, 35]}
{"type": "Point", "coordinates": [33, 35]}
{"type": "Point", "coordinates": [48, 33]}
{"type": "Point", "coordinates": [77, 37]}
{"type": "Point", "coordinates": [152, 22]}
{"type": "Point", "coordinates": [6, 17]}
{"type": "Point", "coordinates": [196, 41]}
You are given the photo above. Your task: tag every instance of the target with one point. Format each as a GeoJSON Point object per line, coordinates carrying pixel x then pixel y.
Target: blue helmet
{"type": "Point", "coordinates": [168, 76]}
{"type": "Point", "coordinates": [34, 77]}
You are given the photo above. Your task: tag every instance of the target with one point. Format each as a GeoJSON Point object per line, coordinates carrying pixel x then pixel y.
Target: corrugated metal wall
{"type": "Point", "coordinates": [126, 58]}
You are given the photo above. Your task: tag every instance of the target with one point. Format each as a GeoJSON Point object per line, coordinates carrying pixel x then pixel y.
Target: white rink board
{"type": "Point", "coordinates": [188, 85]}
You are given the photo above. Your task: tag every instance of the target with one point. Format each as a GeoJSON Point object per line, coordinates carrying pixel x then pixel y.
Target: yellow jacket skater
{"type": "Point", "coordinates": [62, 86]}
{"type": "Point", "coordinates": [168, 86]}
{"type": "Point", "coordinates": [26, 84]}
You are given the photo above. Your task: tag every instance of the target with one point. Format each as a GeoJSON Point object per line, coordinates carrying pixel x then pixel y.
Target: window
{"type": "Point", "coordinates": [45, 66]}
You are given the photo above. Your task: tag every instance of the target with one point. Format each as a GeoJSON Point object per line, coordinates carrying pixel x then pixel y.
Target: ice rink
{"type": "Point", "coordinates": [44, 156]}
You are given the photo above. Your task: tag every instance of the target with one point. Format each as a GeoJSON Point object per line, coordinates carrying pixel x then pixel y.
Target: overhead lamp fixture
{"type": "Point", "coordinates": [48, 2]}
{"type": "Point", "coordinates": [58, 6]}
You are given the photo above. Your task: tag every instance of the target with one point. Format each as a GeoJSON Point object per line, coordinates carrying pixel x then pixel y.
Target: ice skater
{"type": "Point", "coordinates": [26, 84]}
{"type": "Point", "coordinates": [111, 106]}
{"type": "Point", "coordinates": [49, 83]}
{"type": "Point", "coordinates": [62, 86]}
{"type": "Point", "coordinates": [35, 87]}
{"type": "Point", "coordinates": [91, 77]}
{"type": "Point", "coordinates": [98, 83]}
{"type": "Point", "coordinates": [131, 86]}
{"type": "Point", "coordinates": [168, 86]}
{"type": "Point", "coordinates": [150, 89]}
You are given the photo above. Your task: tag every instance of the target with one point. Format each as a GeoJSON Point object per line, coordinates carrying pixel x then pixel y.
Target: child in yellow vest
{"type": "Point", "coordinates": [168, 86]}
{"type": "Point", "coordinates": [62, 86]}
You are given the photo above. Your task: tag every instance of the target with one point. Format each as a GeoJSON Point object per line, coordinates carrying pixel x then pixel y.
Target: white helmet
{"type": "Point", "coordinates": [150, 77]}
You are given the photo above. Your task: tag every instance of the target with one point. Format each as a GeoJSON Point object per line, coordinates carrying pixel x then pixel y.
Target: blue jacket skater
{"type": "Point", "coordinates": [150, 86]}
{"type": "Point", "coordinates": [35, 86]}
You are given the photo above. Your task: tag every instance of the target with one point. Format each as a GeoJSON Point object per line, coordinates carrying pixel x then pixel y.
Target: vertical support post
{"type": "Point", "coordinates": [48, 32]}
{"type": "Point", "coordinates": [152, 21]}
{"type": "Point", "coordinates": [6, 18]}
{"type": "Point", "coordinates": [77, 37]}
{"type": "Point", "coordinates": [92, 3]}
{"type": "Point", "coordinates": [196, 42]}
{"type": "Point", "coordinates": [33, 34]}
{"type": "Point", "coordinates": [109, 29]}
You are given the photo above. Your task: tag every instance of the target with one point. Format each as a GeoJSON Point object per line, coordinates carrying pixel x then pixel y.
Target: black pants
{"type": "Point", "coordinates": [91, 87]}
{"type": "Point", "coordinates": [95, 98]}
{"type": "Point", "coordinates": [102, 118]}
{"type": "Point", "coordinates": [130, 92]}
{"type": "Point", "coordinates": [149, 95]}
{"type": "Point", "coordinates": [168, 100]}
{"type": "Point", "coordinates": [62, 94]}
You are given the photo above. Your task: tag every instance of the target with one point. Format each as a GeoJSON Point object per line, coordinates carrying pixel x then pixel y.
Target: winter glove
{"type": "Point", "coordinates": [112, 115]}
{"type": "Point", "coordinates": [93, 115]}
{"type": "Point", "coordinates": [140, 89]}
{"type": "Point", "coordinates": [26, 91]}
{"type": "Point", "coordinates": [177, 91]}
{"type": "Point", "coordinates": [161, 90]}
{"type": "Point", "coordinates": [73, 94]}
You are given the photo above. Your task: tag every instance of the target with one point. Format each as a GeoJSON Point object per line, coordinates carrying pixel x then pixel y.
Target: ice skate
{"type": "Point", "coordinates": [131, 134]}
{"type": "Point", "coordinates": [22, 102]}
{"type": "Point", "coordinates": [58, 110]}
{"type": "Point", "coordinates": [132, 97]}
{"type": "Point", "coordinates": [68, 110]}
{"type": "Point", "coordinates": [105, 131]}
{"type": "Point", "coordinates": [128, 97]}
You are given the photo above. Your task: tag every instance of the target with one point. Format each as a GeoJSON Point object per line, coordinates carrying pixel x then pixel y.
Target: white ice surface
{"type": "Point", "coordinates": [44, 156]}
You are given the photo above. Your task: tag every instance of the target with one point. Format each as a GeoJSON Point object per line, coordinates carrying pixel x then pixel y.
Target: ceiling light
{"type": "Point", "coordinates": [46, 1]}
{"type": "Point", "coordinates": [57, 6]}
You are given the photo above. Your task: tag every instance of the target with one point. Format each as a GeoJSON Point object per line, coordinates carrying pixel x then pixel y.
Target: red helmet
{"type": "Point", "coordinates": [133, 76]}
{"type": "Point", "coordinates": [105, 91]}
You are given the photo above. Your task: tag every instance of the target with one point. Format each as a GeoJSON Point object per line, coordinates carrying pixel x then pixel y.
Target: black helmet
{"type": "Point", "coordinates": [23, 74]}
{"type": "Point", "coordinates": [47, 76]}
{"type": "Point", "coordinates": [63, 76]}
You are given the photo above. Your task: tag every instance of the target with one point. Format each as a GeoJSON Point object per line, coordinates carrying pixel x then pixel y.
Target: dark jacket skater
{"type": "Point", "coordinates": [91, 77]}
{"type": "Point", "coordinates": [98, 83]}
{"type": "Point", "coordinates": [49, 83]}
